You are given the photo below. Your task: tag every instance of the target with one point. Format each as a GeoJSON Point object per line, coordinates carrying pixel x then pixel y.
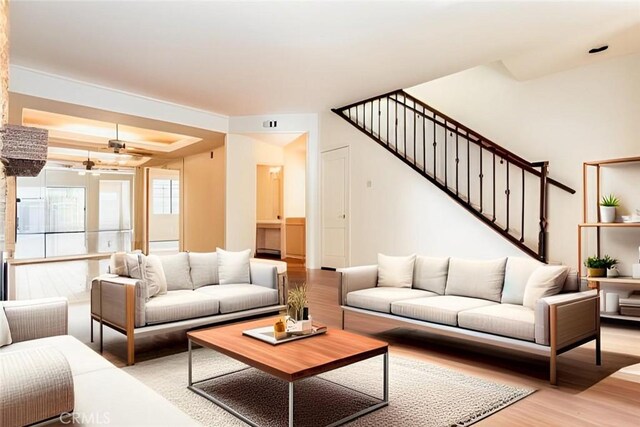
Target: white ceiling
{"type": "Point", "coordinates": [241, 58]}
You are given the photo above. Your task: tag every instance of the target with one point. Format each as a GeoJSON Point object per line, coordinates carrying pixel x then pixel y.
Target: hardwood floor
{"type": "Point", "coordinates": [586, 395]}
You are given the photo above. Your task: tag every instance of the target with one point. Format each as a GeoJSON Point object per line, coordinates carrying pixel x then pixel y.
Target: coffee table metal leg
{"type": "Point", "coordinates": [190, 365]}
{"type": "Point", "coordinates": [291, 404]}
{"type": "Point", "coordinates": [385, 393]}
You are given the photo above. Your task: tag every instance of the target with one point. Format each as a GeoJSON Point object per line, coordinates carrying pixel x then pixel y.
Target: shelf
{"type": "Point", "coordinates": [623, 279]}
{"type": "Point", "coordinates": [619, 317]}
{"type": "Point", "coordinates": [610, 224]}
{"type": "Point", "coordinates": [614, 161]}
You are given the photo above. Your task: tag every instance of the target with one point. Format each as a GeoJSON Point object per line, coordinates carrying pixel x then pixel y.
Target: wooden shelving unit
{"type": "Point", "coordinates": [595, 282]}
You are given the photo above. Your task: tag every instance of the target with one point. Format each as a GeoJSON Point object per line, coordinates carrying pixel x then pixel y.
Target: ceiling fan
{"type": "Point", "coordinates": [118, 146]}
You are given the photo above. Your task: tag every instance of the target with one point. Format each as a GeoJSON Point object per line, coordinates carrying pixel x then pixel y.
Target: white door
{"type": "Point", "coordinates": [335, 208]}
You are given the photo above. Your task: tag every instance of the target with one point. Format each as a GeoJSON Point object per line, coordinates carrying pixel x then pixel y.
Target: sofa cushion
{"type": "Point", "coordinates": [238, 297]}
{"type": "Point", "coordinates": [430, 274]}
{"type": "Point", "coordinates": [177, 271]}
{"type": "Point", "coordinates": [154, 276]}
{"type": "Point", "coordinates": [81, 358]}
{"type": "Point", "coordinates": [380, 299]}
{"type": "Point", "coordinates": [180, 305]}
{"type": "Point", "coordinates": [395, 271]}
{"type": "Point", "coordinates": [5, 332]}
{"type": "Point", "coordinates": [204, 268]}
{"type": "Point", "coordinates": [545, 281]}
{"type": "Point", "coordinates": [516, 274]}
{"type": "Point", "coordinates": [509, 320]}
{"type": "Point", "coordinates": [438, 309]}
{"type": "Point", "coordinates": [233, 267]}
{"type": "Point", "coordinates": [476, 279]}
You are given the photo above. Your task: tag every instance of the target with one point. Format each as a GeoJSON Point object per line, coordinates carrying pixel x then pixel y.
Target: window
{"type": "Point", "coordinates": [166, 196]}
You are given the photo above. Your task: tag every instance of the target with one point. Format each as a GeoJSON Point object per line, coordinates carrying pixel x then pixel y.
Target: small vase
{"type": "Point", "coordinates": [607, 214]}
{"type": "Point", "coordinates": [613, 272]}
{"type": "Point", "coordinates": [596, 272]}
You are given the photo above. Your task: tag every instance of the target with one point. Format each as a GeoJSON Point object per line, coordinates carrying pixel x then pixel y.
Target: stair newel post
{"type": "Point", "coordinates": [542, 237]}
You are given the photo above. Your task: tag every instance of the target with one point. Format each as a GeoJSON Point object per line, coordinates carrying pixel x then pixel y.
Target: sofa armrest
{"type": "Point", "coordinates": [263, 274]}
{"type": "Point", "coordinates": [110, 297]}
{"type": "Point", "coordinates": [357, 278]}
{"type": "Point", "coordinates": [576, 316]}
{"type": "Point", "coordinates": [39, 318]}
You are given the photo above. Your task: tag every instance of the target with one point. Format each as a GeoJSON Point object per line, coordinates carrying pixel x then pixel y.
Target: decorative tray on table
{"type": "Point", "coordinates": [266, 334]}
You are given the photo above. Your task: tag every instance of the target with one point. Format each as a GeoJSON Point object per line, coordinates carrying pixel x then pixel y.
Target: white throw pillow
{"type": "Point", "coordinates": [5, 332]}
{"type": "Point", "coordinates": [430, 274]}
{"type": "Point", "coordinates": [177, 271]}
{"type": "Point", "coordinates": [154, 276]}
{"type": "Point", "coordinates": [395, 271]}
{"type": "Point", "coordinates": [516, 276]}
{"type": "Point", "coordinates": [476, 279]}
{"type": "Point", "coordinates": [204, 268]}
{"type": "Point", "coordinates": [545, 281]}
{"type": "Point", "coordinates": [233, 267]}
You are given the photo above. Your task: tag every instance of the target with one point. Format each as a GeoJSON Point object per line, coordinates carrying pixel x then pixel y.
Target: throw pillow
{"type": "Point", "coordinates": [118, 264]}
{"type": "Point", "coordinates": [154, 276]}
{"type": "Point", "coordinates": [177, 271]}
{"type": "Point", "coordinates": [476, 279]}
{"type": "Point", "coordinates": [204, 268]}
{"type": "Point", "coordinates": [233, 267]}
{"type": "Point", "coordinates": [5, 332]}
{"type": "Point", "coordinates": [516, 276]}
{"type": "Point", "coordinates": [395, 271]}
{"type": "Point", "coordinates": [430, 274]}
{"type": "Point", "coordinates": [545, 281]}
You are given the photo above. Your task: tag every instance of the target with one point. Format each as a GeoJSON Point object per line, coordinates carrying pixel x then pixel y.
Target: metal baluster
{"type": "Point", "coordinates": [435, 173]}
{"type": "Point", "coordinates": [522, 217]}
{"type": "Point", "coordinates": [446, 156]}
{"type": "Point", "coordinates": [372, 118]}
{"type": "Point", "coordinates": [508, 194]}
{"type": "Point", "coordinates": [481, 179]}
{"type": "Point", "coordinates": [380, 118]}
{"type": "Point", "coordinates": [395, 141]}
{"type": "Point", "coordinates": [415, 137]}
{"type": "Point", "coordinates": [494, 187]}
{"type": "Point", "coordinates": [457, 159]}
{"type": "Point", "coordinates": [468, 172]}
{"type": "Point", "coordinates": [404, 130]}
{"type": "Point", "coordinates": [424, 140]}
{"type": "Point", "coordinates": [388, 121]}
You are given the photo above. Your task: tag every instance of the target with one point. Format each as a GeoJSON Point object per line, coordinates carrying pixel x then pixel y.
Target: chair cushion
{"type": "Point", "coordinates": [439, 309]}
{"type": "Point", "coordinates": [430, 274]}
{"type": "Point", "coordinates": [395, 271]}
{"type": "Point", "coordinates": [233, 267]}
{"type": "Point", "coordinates": [238, 297]}
{"type": "Point", "coordinates": [180, 305]}
{"type": "Point", "coordinates": [476, 279]}
{"type": "Point", "coordinates": [380, 299]}
{"type": "Point", "coordinates": [204, 268]}
{"type": "Point", "coordinates": [176, 270]}
{"type": "Point", "coordinates": [509, 320]}
{"type": "Point", "coordinates": [516, 274]}
{"type": "Point", "coordinates": [545, 281]}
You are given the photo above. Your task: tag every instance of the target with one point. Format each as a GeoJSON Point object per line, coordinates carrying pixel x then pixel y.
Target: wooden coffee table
{"type": "Point", "coordinates": [292, 361]}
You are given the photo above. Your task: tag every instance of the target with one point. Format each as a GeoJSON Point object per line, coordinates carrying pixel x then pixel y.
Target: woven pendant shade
{"type": "Point", "coordinates": [24, 150]}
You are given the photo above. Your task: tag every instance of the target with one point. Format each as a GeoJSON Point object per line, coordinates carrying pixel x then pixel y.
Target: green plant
{"type": "Point", "coordinates": [604, 262]}
{"type": "Point", "coordinates": [610, 200]}
{"type": "Point", "coordinates": [297, 301]}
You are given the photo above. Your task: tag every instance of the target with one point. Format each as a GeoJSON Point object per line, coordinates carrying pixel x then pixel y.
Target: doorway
{"type": "Point", "coordinates": [163, 211]}
{"type": "Point", "coordinates": [334, 172]}
{"type": "Point", "coordinates": [269, 208]}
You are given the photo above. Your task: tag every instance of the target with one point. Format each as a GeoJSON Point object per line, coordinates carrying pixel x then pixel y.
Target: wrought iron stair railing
{"type": "Point", "coordinates": [495, 185]}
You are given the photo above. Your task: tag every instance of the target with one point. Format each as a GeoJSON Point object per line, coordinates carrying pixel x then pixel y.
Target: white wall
{"type": "Point", "coordinates": [295, 171]}
{"type": "Point", "coordinates": [582, 114]}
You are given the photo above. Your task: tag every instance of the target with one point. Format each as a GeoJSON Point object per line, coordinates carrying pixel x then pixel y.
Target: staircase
{"type": "Point", "coordinates": [503, 190]}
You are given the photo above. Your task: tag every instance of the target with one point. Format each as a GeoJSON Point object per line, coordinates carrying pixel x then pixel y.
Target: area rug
{"type": "Point", "coordinates": [420, 394]}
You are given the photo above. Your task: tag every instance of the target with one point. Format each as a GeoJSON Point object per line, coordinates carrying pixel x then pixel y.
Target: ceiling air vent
{"type": "Point", "coordinates": [270, 124]}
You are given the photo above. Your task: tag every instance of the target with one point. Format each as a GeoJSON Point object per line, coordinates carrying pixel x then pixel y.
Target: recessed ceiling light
{"type": "Point", "coordinates": [599, 49]}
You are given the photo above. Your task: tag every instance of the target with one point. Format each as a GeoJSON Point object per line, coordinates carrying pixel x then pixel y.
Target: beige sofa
{"type": "Point", "coordinates": [45, 373]}
{"type": "Point", "coordinates": [448, 298]}
{"type": "Point", "coordinates": [194, 298]}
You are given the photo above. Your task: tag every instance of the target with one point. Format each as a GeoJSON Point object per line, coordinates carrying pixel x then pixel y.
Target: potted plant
{"type": "Point", "coordinates": [297, 301]}
{"type": "Point", "coordinates": [597, 267]}
{"type": "Point", "coordinates": [608, 206]}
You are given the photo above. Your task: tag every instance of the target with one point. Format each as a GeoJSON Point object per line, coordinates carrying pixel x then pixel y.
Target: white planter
{"type": "Point", "coordinates": [607, 213]}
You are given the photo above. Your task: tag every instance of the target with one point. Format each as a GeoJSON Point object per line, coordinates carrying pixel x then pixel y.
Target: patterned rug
{"type": "Point", "coordinates": [420, 394]}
